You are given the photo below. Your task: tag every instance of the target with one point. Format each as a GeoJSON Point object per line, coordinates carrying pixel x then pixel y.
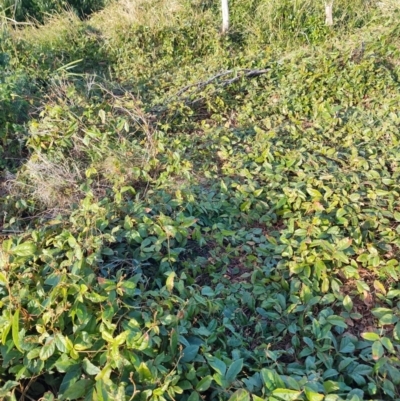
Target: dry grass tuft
{"type": "Point", "coordinates": [125, 13]}
{"type": "Point", "coordinates": [388, 6]}
{"type": "Point", "coordinates": [55, 29]}
{"type": "Point", "coordinates": [53, 185]}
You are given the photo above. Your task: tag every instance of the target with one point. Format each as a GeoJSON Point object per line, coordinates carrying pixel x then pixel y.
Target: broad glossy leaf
{"type": "Point", "coordinates": [218, 365]}
{"type": "Point", "coordinates": [347, 303]}
{"type": "Point", "coordinates": [388, 344]}
{"type": "Point", "coordinates": [48, 349]}
{"type": "Point", "coordinates": [89, 368]}
{"type": "Point", "coordinates": [189, 353]}
{"type": "Point", "coordinates": [144, 372]}
{"type": "Point", "coordinates": [61, 343]}
{"type": "Point", "coordinates": [240, 395]}
{"type": "Point", "coordinates": [77, 390]}
{"type": "Point", "coordinates": [346, 345]}
{"type": "Point", "coordinates": [234, 369]}
{"type": "Point", "coordinates": [336, 321]}
{"type": "Point", "coordinates": [377, 350]}
{"type": "Point", "coordinates": [101, 391]}
{"type": "Point", "coordinates": [25, 249]}
{"type": "Point", "coordinates": [286, 394]}
{"type": "Point", "coordinates": [194, 396]}
{"type": "Point", "coordinates": [311, 395]}
{"type": "Point", "coordinates": [370, 336]}
{"type": "Point", "coordinates": [385, 315]}
{"type": "Point", "coordinates": [7, 387]}
{"type": "Point", "coordinates": [204, 384]}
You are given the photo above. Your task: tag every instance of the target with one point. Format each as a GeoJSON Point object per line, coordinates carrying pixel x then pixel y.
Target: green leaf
{"type": "Point", "coordinates": [48, 349]}
{"type": "Point", "coordinates": [339, 255]}
{"type": "Point", "coordinates": [48, 396]}
{"type": "Point", "coordinates": [61, 343]}
{"type": "Point", "coordinates": [204, 384]}
{"type": "Point", "coordinates": [194, 396]}
{"type": "Point", "coordinates": [387, 344]}
{"type": "Point", "coordinates": [207, 291]}
{"type": "Point", "coordinates": [380, 312]}
{"type": "Point", "coordinates": [101, 391]}
{"type": "Point", "coordinates": [77, 390]}
{"type": "Point", "coordinates": [363, 370]}
{"type": "Point", "coordinates": [240, 395]}
{"type": "Point", "coordinates": [189, 353]}
{"type": "Point", "coordinates": [343, 244]}
{"type": "Point", "coordinates": [3, 279]}
{"type": "Point", "coordinates": [270, 377]}
{"type": "Point", "coordinates": [234, 370]}
{"type": "Point", "coordinates": [7, 387]}
{"type": "Point", "coordinates": [286, 395]}
{"type": "Point", "coordinates": [346, 345]}
{"type": "Point", "coordinates": [218, 365]}
{"type": "Point", "coordinates": [25, 249]}
{"type": "Point", "coordinates": [385, 315]}
{"type": "Point", "coordinates": [15, 330]}
{"type": "Point", "coordinates": [89, 368]}
{"type": "Point", "coordinates": [396, 332]}
{"type": "Point", "coordinates": [95, 298]}
{"type": "Point", "coordinates": [315, 194]}
{"type": "Point", "coordinates": [144, 373]}
{"type": "Point", "coordinates": [347, 303]}
{"type": "Point", "coordinates": [377, 350]}
{"type": "Point", "coordinates": [336, 321]}
{"type": "Point", "coordinates": [331, 386]}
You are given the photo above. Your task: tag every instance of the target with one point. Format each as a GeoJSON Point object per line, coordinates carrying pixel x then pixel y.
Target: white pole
{"type": "Point", "coordinates": [225, 16]}
{"type": "Point", "coordinates": [328, 13]}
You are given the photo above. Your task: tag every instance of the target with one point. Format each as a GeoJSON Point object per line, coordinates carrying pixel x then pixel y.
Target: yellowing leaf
{"type": "Point", "coordinates": [370, 336]}
{"type": "Point", "coordinates": [170, 281]}
{"type": "Point", "coordinates": [240, 395]}
{"type": "Point", "coordinates": [379, 287]}
{"type": "Point", "coordinates": [286, 394]}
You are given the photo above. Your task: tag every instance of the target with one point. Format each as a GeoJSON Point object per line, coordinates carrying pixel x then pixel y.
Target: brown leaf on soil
{"type": "Point", "coordinates": [368, 300]}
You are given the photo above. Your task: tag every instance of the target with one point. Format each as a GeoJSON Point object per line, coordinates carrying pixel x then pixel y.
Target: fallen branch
{"type": "Point", "coordinates": [244, 73]}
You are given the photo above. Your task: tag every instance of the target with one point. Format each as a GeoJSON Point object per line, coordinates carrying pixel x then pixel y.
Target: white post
{"type": "Point", "coordinates": [225, 16]}
{"type": "Point", "coordinates": [328, 13]}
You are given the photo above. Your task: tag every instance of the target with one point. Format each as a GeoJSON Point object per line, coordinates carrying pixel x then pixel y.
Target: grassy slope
{"type": "Point", "coordinates": [225, 240]}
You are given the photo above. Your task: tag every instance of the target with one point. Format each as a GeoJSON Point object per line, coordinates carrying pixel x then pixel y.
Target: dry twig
{"type": "Point", "coordinates": [244, 73]}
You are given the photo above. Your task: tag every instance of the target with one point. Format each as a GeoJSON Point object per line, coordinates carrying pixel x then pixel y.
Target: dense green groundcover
{"type": "Point", "coordinates": [188, 216]}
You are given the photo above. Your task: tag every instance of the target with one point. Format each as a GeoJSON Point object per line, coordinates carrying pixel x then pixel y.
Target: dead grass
{"type": "Point", "coordinates": [53, 185]}
{"type": "Point", "coordinates": [125, 13]}
{"type": "Point", "coordinates": [54, 31]}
